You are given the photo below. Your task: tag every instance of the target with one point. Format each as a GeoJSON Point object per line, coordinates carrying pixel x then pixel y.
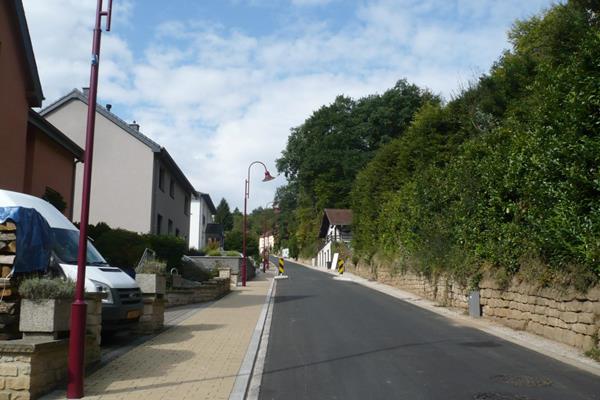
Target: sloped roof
{"type": "Point", "coordinates": [335, 216]}
{"type": "Point", "coordinates": [209, 202]}
{"type": "Point", "coordinates": [76, 94]}
{"type": "Point", "coordinates": [34, 88]}
{"type": "Point", "coordinates": [160, 151]}
{"type": "Point", "coordinates": [55, 134]}
{"type": "Point", "coordinates": [338, 216]}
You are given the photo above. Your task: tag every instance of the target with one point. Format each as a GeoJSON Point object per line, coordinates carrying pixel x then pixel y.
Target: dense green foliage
{"type": "Point", "coordinates": [506, 175]}
{"type": "Point", "coordinates": [503, 178]}
{"type": "Point", "coordinates": [122, 248]}
{"type": "Point", "coordinates": [224, 216]}
{"type": "Point", "coordinates": [324, 154]}
{"type": "Point", "coordinates": [37, 288]}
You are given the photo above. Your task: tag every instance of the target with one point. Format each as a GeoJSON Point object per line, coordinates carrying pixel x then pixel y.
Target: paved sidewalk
{"type": "Point", "coordinates": [197, 359]}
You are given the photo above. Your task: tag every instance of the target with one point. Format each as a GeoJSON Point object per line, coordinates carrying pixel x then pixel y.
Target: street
{"type": "Point", "coordinates": [332, 339]}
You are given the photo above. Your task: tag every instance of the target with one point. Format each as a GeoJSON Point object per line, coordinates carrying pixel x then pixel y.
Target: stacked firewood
{"type": "Point", "coordinates": [9, 304]}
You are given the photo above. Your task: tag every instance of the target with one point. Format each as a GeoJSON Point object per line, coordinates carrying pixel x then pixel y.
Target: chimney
{"type": "Point", "coordinates": [108, 107]}
{"type": "Point", "coordinates": [86, 91]}
{"type": "Point", "coordinates": [135, 126]}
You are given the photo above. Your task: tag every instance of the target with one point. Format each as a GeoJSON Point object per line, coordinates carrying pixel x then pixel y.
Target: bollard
{"type": "Point", "coordinates": [340, 266]}
{"type": "Point", "coordinates": [281, 270]}
{"type": "Point", "coordinates": [281, 266]}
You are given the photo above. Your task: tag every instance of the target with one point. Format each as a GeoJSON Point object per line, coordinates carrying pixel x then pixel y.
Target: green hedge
{"type": "Point", "coordinates": [505, 177]}
{"type": "Point", "coordinates": [124, 248]}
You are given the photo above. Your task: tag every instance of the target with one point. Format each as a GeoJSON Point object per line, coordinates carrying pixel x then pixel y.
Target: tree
{"type": "Point", "coordinates": [324, 154]}
{"type": "Point", "coordinates": [223, 216]}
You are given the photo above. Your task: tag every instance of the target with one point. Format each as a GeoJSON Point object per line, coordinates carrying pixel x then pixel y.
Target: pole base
{"type": "Point", "coordinates": [76, 350]}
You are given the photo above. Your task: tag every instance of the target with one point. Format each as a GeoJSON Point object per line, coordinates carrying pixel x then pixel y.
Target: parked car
{"type": "Point", "coordinates": [123, 304]}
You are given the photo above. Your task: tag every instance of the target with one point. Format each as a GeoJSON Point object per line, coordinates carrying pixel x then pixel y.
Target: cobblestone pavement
{"type": "Point", "coordinates": [197, 359]}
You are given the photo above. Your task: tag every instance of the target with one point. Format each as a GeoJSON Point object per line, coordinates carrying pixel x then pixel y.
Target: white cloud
{"type": "Point", "coordinates": [219, 97]}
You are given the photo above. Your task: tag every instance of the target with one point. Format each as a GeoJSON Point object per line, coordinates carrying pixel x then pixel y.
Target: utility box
{"type": "Point", "coordinates": [474, 304]}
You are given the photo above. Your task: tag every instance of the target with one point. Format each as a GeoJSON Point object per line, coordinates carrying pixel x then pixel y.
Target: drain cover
{"type": "Point", "coordinates": [522, 380]}
{"type": "Point", "coordinates": [500, 396]}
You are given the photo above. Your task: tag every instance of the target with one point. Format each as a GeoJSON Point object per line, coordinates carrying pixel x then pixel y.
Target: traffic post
{"type": "Point", "coordinates": [281, 269]}
{"type": "Point", "coordinates": [340, 266]}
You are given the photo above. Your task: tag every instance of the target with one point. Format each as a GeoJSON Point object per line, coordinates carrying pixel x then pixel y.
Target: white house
{"type": "Point", "coordinates": [202, 214]}
{"type": "Point", "coordinates": [136, 184]}
{"type": "Point", "coordinates": [335, 227]}
{"type": "Point", "coordinates": [267, 241]}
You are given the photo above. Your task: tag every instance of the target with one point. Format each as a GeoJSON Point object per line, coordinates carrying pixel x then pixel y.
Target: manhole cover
{"type": "Point", "coordinates": [522, 380]}
{"type": "Point", "coordinates": [500, 396]}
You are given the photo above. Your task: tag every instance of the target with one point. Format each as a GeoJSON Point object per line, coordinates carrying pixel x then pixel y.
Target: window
{"type": "Point", "coordinates": [177, 232]}
{"type": "Point", "coordinates": [158, 223]}
{"type": "Point", "coordinates": [170, 228]}
{"type": "Point", "coordinates": [186, 205]}
{"type": "Point", "coordinates": [172, 188]}
{"type": "Point", "coordinates": [161, 179]}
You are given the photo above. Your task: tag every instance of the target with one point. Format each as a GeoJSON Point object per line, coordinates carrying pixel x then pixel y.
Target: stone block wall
{"type": "Point", "coordinates": [30, 368]}
{"type": "Point", "coordinates": [153, 317]}
{"type": "Point", "coordinates": [563, 315]}
{"type": "Point", "coordinates": [207, 291]}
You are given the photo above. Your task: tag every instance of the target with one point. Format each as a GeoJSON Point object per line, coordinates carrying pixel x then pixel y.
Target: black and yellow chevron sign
{"type": "Point", "coordinates": [340, 266]}
{"type": "Point", "coordinates": [281, 269]}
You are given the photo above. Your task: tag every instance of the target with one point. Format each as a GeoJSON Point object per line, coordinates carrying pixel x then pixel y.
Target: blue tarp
{"type": "Point", "coordinates": [34, 239]}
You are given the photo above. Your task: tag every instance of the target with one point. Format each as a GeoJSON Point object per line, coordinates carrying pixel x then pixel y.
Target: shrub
{"type": "Point", "coordinates": [153, 267]}
{"type": "Point", "coordinates": [168, 248]}
{"type": "Point", "coordinates": [42, 288]}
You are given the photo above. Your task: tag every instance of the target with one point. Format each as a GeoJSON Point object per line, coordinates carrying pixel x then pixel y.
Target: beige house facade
{"type": "Point", "coordinates": [136, 185]}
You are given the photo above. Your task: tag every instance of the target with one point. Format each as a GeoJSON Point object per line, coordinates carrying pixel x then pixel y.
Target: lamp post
{"type": "Point", "coordinates": [268, 177]}
{"type": "Point", "coordinates": [78, 308]}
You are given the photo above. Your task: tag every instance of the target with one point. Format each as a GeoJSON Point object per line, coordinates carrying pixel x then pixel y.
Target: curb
{"type": "Point", "coordinates": [244, 375]}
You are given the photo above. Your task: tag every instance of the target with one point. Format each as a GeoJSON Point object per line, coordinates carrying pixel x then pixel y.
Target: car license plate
{"type": "Point", "coordinates": [133, 314]}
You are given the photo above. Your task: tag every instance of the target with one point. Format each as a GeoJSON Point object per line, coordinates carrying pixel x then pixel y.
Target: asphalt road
{"type": "Point", "coordinates": [332, 339]}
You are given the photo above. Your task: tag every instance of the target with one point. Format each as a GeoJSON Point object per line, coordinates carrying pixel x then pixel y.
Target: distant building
{"type": "Point", "coordinates": [266, 241]}
{"type": "Point", "coordinates": [136, 184]}
{"type": "Point", "coordinates": [202, 214]}
{"type": "Point", "coordinates": [215, 234]}
{"type": "Point", "coordinates": [335, 227]}
{"type": "Point", "coordinates": [35, 157]}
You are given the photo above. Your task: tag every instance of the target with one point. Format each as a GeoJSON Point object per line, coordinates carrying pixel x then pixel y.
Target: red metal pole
{"type": "Point", "coordinates": [246, 190]}
{"type": "Point", "coordinates": [78, 308]}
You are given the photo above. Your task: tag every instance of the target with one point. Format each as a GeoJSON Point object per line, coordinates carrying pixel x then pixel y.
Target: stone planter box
{"type": "Point", "coordinates": [151, 283]}
{"type": "Point", "coordinates": [45, 317]}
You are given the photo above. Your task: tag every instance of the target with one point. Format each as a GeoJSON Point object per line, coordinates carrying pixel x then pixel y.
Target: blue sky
{"type": "Point", "coordinates": [220, 83]}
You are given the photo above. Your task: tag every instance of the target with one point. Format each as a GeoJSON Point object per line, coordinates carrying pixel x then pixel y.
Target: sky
{"type": "Point", "coordinates": [219, 83]}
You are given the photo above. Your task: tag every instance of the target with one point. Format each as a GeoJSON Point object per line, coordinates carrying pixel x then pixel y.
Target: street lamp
{"type": "Point", "coordinates": [78, 308]}
{"type": "Point", "coordinates": [268, 177]}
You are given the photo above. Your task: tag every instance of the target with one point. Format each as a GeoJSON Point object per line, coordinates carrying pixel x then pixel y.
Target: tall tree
{"type": "Point", "coordinates": [224, 216]}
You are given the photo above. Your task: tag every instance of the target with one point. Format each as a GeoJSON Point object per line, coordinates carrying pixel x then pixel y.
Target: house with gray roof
{"type": "Point", "coordinates": [202, 215]}
{"type": "Point", "coordinates": [136, 184]}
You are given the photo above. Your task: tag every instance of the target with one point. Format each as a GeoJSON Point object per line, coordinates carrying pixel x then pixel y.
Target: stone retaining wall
{"type": "Point", "coordinates": [208, 291]}
{"type": "Point", "coordinates": [30, 368]}
{"type": "Point", "coordinates": [563, 315]}
{"type": "Point", "coordinates": [153, 317]}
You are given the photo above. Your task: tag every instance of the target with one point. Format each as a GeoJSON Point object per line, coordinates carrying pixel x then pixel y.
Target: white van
{"type": "Point", "coordinates": [123, 304]}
